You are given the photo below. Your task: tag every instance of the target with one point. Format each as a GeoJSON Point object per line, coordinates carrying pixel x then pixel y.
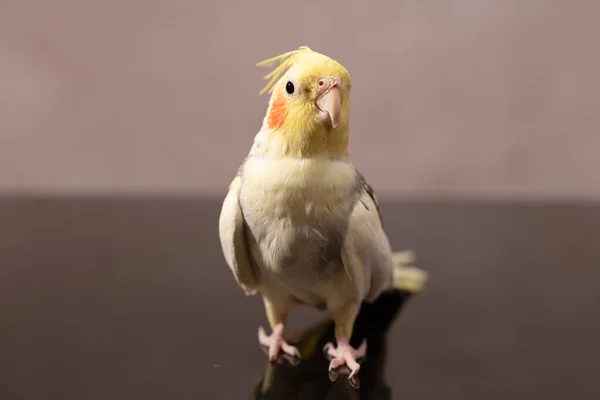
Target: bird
{"type": "Point", "coordinates": [300, 224]}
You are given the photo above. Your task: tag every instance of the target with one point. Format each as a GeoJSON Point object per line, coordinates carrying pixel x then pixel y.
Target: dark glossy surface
{"type": "Point", "coordinates": [130, 298]}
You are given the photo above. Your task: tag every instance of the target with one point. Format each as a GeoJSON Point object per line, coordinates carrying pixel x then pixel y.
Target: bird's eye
{"type": "Point", "coordinates": [289, 87]}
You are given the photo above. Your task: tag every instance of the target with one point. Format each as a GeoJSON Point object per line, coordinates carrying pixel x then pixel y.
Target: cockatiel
{"type": "Point", "coordinates": [300, 224]}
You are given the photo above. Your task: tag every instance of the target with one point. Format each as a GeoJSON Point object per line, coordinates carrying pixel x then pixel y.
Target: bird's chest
{"type": "Point", "coordinates": [279, 244]}
{"type": "Point", "coordinates": [296, 213]}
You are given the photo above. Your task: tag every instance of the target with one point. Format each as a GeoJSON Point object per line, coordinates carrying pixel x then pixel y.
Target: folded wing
{"type": "Point", "coordinates": [233, 240]}
{"type": "Point", "coordinates": [366, 253]}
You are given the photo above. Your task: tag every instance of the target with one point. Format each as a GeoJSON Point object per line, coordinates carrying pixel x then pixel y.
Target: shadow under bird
{"type": "Point", "coordinates": [306, 380]}
{"type": "Point", "coordinates": [300, 224]}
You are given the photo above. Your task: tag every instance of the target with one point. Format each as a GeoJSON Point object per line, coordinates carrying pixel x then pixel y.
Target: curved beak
{"type": "Point", "coordinates": [330, 102]}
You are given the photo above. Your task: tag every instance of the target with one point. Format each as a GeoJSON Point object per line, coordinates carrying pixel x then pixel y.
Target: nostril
{"type": "Point", "coordinates": [321, 82]}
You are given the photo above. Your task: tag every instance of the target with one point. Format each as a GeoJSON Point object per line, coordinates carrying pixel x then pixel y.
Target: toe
{"type": "Point", "coordinates": [262, 337]}
{"type": "Point", "coordinates": [352, 364]}
{"type": "Point", "coordinates": [353, 374]}
{"type": "Point", "coordinates": [289, 349]}
{"type": "Point", "coordinates": [336, 363]}
{"type": "Point", "coordinates": [274, 351]}
{"type": "Point", "coordinates": [274, 344]}
{"type": "Point", "coordinates": [329, 350]}
{"type": "Point", "coordinates": [362, 350]}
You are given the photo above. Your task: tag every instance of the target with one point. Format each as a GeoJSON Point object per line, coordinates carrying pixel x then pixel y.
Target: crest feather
{"type": "Point", "coordinates": [286, 60]}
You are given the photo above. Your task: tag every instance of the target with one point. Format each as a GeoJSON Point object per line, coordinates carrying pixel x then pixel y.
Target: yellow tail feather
{"type": "Point", "coordinates": [407, 277]}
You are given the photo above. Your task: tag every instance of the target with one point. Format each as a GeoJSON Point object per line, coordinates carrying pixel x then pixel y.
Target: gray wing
{"type": "Point", "coordinates": [233, 240]}
{"type": "Point", "coordinates": [371, 192]}
{"type": "Point", "coordinates": [366, 253]}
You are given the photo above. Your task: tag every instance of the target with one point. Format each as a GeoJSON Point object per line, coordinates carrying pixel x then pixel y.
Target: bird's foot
{"type": "Point", "coordinates": [345, 355]}
{"type": "Point", "coordinates": [278, 343]}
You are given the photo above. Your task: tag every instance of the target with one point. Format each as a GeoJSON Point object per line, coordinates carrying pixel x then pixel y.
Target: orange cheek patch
{"type": "Point", "coordinates": [277, 113]}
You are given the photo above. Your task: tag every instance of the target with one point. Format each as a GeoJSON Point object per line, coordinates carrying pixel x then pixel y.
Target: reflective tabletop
{"type": "Point", "coordinates": [130, 298]}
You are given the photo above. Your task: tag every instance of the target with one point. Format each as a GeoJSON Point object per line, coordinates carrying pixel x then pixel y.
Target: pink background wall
{"type": "Point", "coordinates": [450, 98]}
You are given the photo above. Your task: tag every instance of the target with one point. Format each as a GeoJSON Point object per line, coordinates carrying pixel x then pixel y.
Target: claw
{"type": "Point", "coordinates": [345, 355]}
{"type": "Point", "coordinates": [276, 344]}
{"type": "Point", "coordinates": [354, 382]}
{"type": "Point", "coordinates": [333, 375]}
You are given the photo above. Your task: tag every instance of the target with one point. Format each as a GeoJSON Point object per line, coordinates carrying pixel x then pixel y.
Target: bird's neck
{"type": "Point", "coordinates": [291, 142]}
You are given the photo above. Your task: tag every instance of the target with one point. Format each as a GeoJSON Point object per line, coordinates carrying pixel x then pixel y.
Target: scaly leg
{"type": "Point", "coordinates": [276, 342]}
{"type": "Point", "coordinates": [344, 318]}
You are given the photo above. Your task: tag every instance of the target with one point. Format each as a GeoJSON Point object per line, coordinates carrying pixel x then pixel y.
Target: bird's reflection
{"type": "Point", "coordinates": [308, 379]}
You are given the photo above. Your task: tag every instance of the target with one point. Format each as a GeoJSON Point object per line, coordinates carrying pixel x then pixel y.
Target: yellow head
{"type": "Point", "coordinates": [309, 108]}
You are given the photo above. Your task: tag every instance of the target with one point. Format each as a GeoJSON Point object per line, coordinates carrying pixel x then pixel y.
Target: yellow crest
{"type": "Point", "coordinates": [286, 60]}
